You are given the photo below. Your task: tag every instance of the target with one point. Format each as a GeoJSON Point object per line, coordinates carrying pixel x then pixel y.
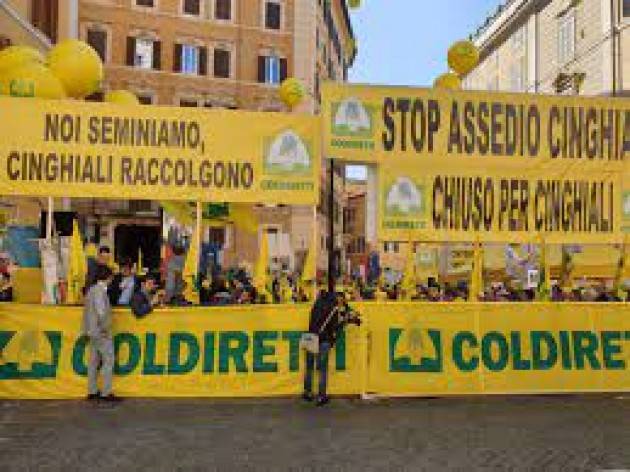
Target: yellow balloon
{"type": "Point", "coordinates": [121, 97]}
{"type": "Point", "coordinates": [16, 56]}
{"type": "Point", "coordinates": [31, 80]}
{"type": "Point", "coordinates": [291, 92]}
{"type": "Point", "coordinates": [463, 57]}
{"type": "Point", "coordinates": [448, 81]}
{"type": "Point", "coordinates": [354, 3]}
{"type": "Point", "coordinates": [78, 66]}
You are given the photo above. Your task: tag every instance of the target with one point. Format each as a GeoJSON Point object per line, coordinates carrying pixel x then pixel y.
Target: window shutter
{"type": "Point", "coordinates": [203, 61]}
{"type": "Point", "coordinates": [131, 51]}
{"type": "Point", "coordinates": [223, 9]}
{"type": "Point", "coordinates": [177, 58]}
{"type": "Point", "coordinates": [222, 63]}
{"type": "Point", "coordinates": [261, 69]}
{"type": "Point", "coordinates": [283, 69]}
{"type": "Point", "coordinates": [98, 40]}
{"type": "Point", "coordinates": [157, 55]}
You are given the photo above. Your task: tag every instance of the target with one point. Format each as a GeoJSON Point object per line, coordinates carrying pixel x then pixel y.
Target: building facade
{"type": "Point", "coordinates": [37, 23]}
{"type": "Point", "coordinates": [230, 54]}
{"type": "Point", "coordinates": [575, 47]}
{"type": "Point", "coordinates": [355, 225]}
{"type": "Point", "coordinates": [219, 53]}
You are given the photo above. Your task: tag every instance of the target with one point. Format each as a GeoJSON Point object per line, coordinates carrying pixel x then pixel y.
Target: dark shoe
{"type": "Point", "coordinates": [92, 397]}
{"type": "Point", "coordinates": [111, 398]}
{"type": "Point", "coordinates": [308, 397]}
{"type": "Point", "coordinates": [322, 400]}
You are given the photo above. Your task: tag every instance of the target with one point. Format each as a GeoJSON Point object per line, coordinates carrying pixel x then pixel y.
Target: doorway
{"type": "Point", "coordinates": [129, 238]}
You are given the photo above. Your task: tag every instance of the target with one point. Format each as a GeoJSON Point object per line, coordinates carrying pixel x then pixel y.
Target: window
{"type": "Point", "coordinates": [95, 97]}
{"type": "Point", "coordinates": [143, 53]}
{"type": "Point", "coordinates": [145, 3]}
{"type": "Point", "coordinates": [272, 69]}
{"type": "Point", "coordinates": [223, 10]}
{"type": "Point", "coordinates": [44, 17]}
{"type": "Point", "coordinates": [222, 63]}
{"type": "Point", "coordinates": [272, 15]}
{"type": "Point", "coordinates": [192, 7]}
{"type": "Point", "coordinates": [518, 75]}
{"type": "Point", "coordinates": [98, 40]}
{"type": "Point", "coordinates": [188, 103]}
{"type": "Point", "coordinates": [626, 8]}
{"type": "Point", "coordinates": [189, 59]}
{"type": "Point", "coordinates": [217, 236]}
{"type": "Point", "coordinates": [4, 42]}
{"type": "Point", "coordinates": [518, 40]}
{"type": "Point", "coordinates": [566, 37]}
{"type": "Point", "coordinates": [361, 244]}
{"type": "Point", "coordinates": [145, 99]}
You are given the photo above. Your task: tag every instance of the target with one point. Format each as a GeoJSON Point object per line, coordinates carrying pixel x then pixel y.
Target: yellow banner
{"type": "Point", "coordinates": [401, 349]}
{"type": "Point", "coordinates": [461, 166]}
{"type": "Point", "coordinates": [80, 149]}
{"type": "Point", "coordinates": [192, 352]}
{"type": "Point", "coordinates": [508, 202]}
{"type": "Point", "coordinates": [463, 348]}
{"type": "Point", "coordinates": [397, 124]}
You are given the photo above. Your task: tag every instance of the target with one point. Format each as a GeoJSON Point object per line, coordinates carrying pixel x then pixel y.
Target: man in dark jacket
{"type": "Point", "coordinates": [329, 316]}
{"type": "Point", "coordinates": [93, 264]}
{"type": "Point", "coordinates": [143, 300]}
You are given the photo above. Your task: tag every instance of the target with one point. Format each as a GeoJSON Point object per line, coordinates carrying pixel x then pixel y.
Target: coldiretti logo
{"type": "Point", "coordinates": [352, 124]}
{"type": "Point", "coordinates": [212, 352]}
{"type": "Point", "coordinates": [29, 354]}
{"type": "Point", "coordinates": [417, 350]}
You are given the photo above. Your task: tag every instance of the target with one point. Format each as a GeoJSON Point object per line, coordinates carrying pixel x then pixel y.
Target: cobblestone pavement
{"type": "Point", "coordinates": [492, 433]}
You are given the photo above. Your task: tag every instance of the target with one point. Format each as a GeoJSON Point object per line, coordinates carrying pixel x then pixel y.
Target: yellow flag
{"type": "Point", "coordinates": [243, 217]}
{"type": "Point", "coordinates": [191, 269]}
{"type": "Point", "coordinates": [309, 272]}
{"type": "Point", "coordinates": [181, 211]}
{"type": "Point", "coordinates": [77, 266]}
{"type": "Point", "coordinates": [140, 268]}
{"type": "Point", "coordinates": [476, 274]}
{"type": "Point", "coordinates": [408, 282]}
{"type": "Point", "coordinates": [620, 271]}
{"type": "Point", "coordinates": [261, 277]}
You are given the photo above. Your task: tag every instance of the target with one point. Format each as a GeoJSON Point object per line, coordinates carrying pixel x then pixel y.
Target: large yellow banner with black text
{"type": "Point", "coordinates": [191, 352]}
{"type": "Point", "coordinates": [383, 123]}
{"type": "Point", "coordinates": [464, 348]}
{"type": "Point", "coordinates": [65, 148]}
{"type": "Point", "coordinates": [409, 349]}
{"type": "Point", "coordinates": [511, 201]}
{"type": "Point", "coordinates": [461, 166]}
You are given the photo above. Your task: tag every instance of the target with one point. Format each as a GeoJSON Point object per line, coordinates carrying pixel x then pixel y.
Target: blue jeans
{"type": "Point", "coordinates": [322, 366]}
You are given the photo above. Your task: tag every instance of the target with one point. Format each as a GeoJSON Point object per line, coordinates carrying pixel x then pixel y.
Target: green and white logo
{"type": "Point", "coordinates": [287, 153]}
{"type": "Point", "coordinates": [29, 354]}
{"type": "Point", "coordinates": [404, 198]}
{"type": "Point", "coordinates": [352, 118]}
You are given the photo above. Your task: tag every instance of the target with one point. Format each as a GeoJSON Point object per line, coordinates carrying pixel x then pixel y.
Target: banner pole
{"type": "Point", "coordinates": [314, 249]}
{"type": "Point", "coordinates": [331, 227]}
{"type": "Point", "coordinates": [49, 220]}
{"type": "Point", "coordinates": [198, 223]}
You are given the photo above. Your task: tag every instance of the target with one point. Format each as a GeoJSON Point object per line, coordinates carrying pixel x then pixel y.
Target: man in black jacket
{"type": "Point", "coordinates": [143, 300]}
{"type": "Point", "coordinates": [329, 316]}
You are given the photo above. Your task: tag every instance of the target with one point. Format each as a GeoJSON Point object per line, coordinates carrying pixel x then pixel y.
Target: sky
{"type": "Point", "coordinates": [404, 42]}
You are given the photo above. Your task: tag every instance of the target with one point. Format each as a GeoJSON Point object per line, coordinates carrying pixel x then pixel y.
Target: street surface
{"type": "Point", "coordinates": [493, 433]}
